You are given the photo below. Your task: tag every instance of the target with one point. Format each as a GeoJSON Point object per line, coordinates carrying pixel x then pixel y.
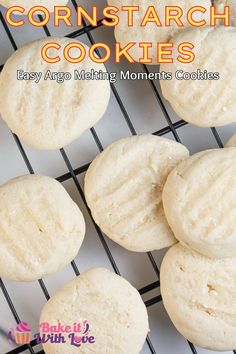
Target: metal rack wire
{"type": "Point", "coordinates": [74, 173]}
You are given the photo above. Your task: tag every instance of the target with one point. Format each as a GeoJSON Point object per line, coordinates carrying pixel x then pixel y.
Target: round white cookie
{"type": "Point", "coordinates": [28, 4]}
{"type": "Point", "coordinates": [152, 33]}
{"type": "Point", "coordinates": [231, 142]}
{"type": "Point", "coordinates": [114, 311]}
{"type": "Point", "coordinates": [199, 200]}
{"type": "Point", "coordinates": [205, 103]}
{"type": "Point", "coordinates": [41, 228]}
{"type": "Point", "coordinates": [199, 295]}
{"type": "Point", "coordinates": [232, 4]}
{"type": "Point", "coordinates": [123, 188]}
{"type": "Point", "coordinates": [50, 115]}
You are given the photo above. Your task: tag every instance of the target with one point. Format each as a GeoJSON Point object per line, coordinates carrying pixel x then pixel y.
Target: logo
{"type": "Point", "coordinates": [77, 334]}
{"type": "Point", "coordinates": [21, 334]}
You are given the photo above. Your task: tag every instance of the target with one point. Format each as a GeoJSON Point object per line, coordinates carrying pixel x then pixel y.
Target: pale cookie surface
{"type": "Point", "coordinates": [28, 4]}
{"type": "Point", "coordinates": [231, 142]}
{"type": "Point", "coordinates": [123, 188]}
{"type": "Point", "coordinates": [48, 114]}
{"type": "Point", "coordinates": [205, 103]}
{"type": "Point", "coordinates": [199, 200]}
{"type": "Point", "coordinates": [113, 308]}
{"type": "Point", "coordinates": [199, 295]}
{"type": "Point", "coordinates": [151, 33]}
{"type": "Point", "coordinates": [41, 228]}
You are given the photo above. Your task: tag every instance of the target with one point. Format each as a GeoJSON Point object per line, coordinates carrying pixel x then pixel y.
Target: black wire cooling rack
{"type": "Point", "coordinates": [74, 173]}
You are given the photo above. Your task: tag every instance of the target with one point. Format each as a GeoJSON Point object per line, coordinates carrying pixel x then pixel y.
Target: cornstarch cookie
{"type": "Point", "coordinates": [199, 200]}
{"type": "Point", "coordinates": [151, 33]}
{"type": "Point", "coordinates": [204, 101]}
{"type": "Point", "coordinates": [199, 295]}
{"type": "Point", "coordinates": [49, 114]}
{"type": "Point", "coordinates": [41, 228]}
{"type": "Point", "coordinates": [115, 314]}
{"type": "Point", "coordinates": [231, 142]}
{"type": "Point", "coordinates": [123, 188]}
{"type": "Point", "coordinates": [28, 4]}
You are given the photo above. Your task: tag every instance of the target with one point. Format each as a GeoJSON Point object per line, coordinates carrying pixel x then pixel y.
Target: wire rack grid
{"type": "Point", "coordinates": [150, 291]}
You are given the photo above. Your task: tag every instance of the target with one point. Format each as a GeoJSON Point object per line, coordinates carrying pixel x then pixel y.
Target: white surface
{"type": "Point", "coordinates": [146, 116]}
